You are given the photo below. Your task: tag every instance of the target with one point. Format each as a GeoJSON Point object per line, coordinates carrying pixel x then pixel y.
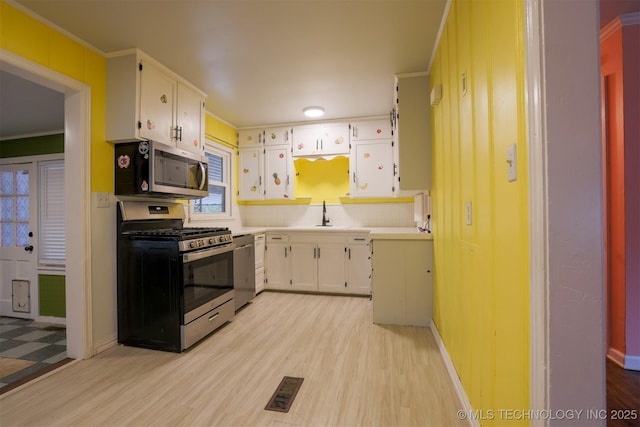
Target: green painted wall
{"type": "Point", "coordinates": [51, 295]}
{"type": "Point", "coordinates": [33, 146]}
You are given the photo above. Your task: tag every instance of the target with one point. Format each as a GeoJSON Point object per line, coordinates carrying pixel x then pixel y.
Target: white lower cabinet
{"type": "Point", "coordinates": [359, 265]}
{"type": "Point", "coordinates": [324, 263]}
{"type": "Point", "coordinates": [304, 265]}
{"type": "Point", "coordinates": [332, 275]}
{"type": "Point", "coordinates": [402, 282]}
{"type": "Point", "coordinates": [277, 262]}
{"type": "Point", "coordinates": [259, 241]}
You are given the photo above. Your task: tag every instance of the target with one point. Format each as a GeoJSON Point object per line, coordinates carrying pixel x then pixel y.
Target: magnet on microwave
{"type": "Point", "coordinates": [144, 186]}
{"type": "Point", "coordinates": [143, 147]}
{"type": "Point", "coordinates": [124, 161]}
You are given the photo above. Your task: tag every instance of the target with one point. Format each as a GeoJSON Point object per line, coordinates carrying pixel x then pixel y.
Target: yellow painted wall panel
{"type": "Point", "coordinates": [216, 129]}
{"type": "Point", "coordinates": [481, 289]}
{"type": "Point", "coordinates": [67, 56]}
{"type": "Point", "coordinates": [322, 180]}
{"type": "Point", "coordinates": [24, 36]}
{"type": "Point", "coordinates": [33, 40]}
{"type": "Point", "coordinates": [102, 160]}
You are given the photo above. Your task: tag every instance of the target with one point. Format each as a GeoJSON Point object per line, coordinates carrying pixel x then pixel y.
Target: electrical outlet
{"type": "Point", "coordinates": [103, 200]}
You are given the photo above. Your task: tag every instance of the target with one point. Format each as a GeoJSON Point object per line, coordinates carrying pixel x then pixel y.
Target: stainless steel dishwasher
{"type": "Point", "coordinates": [244, 270]}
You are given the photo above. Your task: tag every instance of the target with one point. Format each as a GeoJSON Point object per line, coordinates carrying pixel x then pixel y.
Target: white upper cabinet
{"type": "Point", "coordinates": [250, 138]}
{"type": "Point", "coordinates": [265, 164]}
{"type": "Point", "coordinates": [277, 167]}
{"type": "Point", "coordinates": [372, 159]}
{"type": "Point", "coordinates": [250, 172]}
{"type": "Point", "coordinates": [267, 136]}
{"type": "Point", "coordinates": [372, 168]}
{"type": "Point", "coordinates": [190, 119]}
{"type": "Point", "coordinates": [371, 129]}
{"type": "Point", "coordinates": [146, 101]}
{"type": "Point", "coordinates": [321, 139]}
{"type": "Point", "coordinates": [277, 136]}
{"type": "Point", "coordinates": [265, 173]}
{"type": "Point", "coordinates": [412, 118]}
{"type": "Point", "coordinates": [157, 100]}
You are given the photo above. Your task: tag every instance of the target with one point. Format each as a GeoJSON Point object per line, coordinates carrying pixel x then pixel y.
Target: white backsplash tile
{"type": "Point", "coordinates": [352, 215]}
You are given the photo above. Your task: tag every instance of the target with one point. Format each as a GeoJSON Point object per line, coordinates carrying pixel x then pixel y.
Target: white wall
{"type": "Point", "coordinates": [104, 274]}
{"type": "Point", "coordinates": [571, 74]}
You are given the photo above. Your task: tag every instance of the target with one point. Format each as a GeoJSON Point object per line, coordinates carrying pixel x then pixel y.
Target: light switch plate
{"type": "Point", "coordinates": [512, 163]}
{"type": "Point", "coordinates": [468, 212]}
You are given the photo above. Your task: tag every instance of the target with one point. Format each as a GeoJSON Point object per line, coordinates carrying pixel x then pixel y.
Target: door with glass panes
{"type": "Point", "coordinates": [18, 251]}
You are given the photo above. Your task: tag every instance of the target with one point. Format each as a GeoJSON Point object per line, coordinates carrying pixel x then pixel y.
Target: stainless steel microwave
{"type": "Point", "coordinates": [148, 168]}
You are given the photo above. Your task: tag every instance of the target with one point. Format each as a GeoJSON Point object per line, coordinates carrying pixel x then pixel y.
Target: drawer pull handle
{"type": "Point", "coordinates": [212, 318]}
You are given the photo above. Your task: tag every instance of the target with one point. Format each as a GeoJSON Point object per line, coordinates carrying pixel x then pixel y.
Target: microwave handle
{"type": "Point", "coordinates": [204, 175]}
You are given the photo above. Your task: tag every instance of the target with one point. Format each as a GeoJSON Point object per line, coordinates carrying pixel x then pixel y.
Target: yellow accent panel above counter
{"type": "Point", "coordinates": [322, 179]}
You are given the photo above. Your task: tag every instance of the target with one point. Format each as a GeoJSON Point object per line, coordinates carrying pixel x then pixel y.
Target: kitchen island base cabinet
{"type": "Point", "coordinates": [402, 282]}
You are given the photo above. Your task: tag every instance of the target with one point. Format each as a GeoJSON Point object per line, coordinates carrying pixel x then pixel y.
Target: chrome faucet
{"type": "Point", "coordinates": [325, 220]}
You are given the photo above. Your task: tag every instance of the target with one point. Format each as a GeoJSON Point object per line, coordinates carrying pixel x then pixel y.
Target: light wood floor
{"type": "Point", "coordinates": [355, 374]}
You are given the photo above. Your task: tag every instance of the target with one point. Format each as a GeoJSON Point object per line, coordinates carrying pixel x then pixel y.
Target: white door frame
{"type": "Point", "coordinates": [538, 237]}
{"type": "Point", "coordinates": [77, 144]}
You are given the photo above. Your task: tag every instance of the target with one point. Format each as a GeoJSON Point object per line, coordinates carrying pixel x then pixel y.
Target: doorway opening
{"type": "Point", "coordinates": [77, 101]}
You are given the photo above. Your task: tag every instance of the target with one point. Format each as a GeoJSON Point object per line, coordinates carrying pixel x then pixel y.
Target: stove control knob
{"type": "Point", "coordinates": [212, 240]}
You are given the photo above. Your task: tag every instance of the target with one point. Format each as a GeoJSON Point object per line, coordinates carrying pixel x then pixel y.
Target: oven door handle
{"type": "Point", "coordinates": [194, 256]}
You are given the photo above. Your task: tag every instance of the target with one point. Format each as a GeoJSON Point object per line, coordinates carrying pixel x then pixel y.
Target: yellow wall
{"type": "Point", "coordinates": [29, 38]}
{"type": "Point", "coordinates": [322, 180]}
{"type": "Point", "coordinates": [219, 131]}
{"type": "Point", "coordinates": [481, 292]}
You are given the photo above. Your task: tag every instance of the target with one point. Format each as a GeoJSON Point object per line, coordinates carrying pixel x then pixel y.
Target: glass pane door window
{"type": "Point", "coordinates": [14, 207]}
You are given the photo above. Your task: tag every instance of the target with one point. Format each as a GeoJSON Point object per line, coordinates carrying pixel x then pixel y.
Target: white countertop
{"type": "Point", "coordinates": [398, 233]}
{"type": "Point", "coordinates": [380, 233]}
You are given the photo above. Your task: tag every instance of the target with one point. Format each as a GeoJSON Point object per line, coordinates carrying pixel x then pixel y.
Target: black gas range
{"type": "Point", "coordinates": [175, 284]}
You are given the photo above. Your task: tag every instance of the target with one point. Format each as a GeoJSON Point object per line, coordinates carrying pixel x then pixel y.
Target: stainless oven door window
{"type": "Point", "coordinates": [207, 274]}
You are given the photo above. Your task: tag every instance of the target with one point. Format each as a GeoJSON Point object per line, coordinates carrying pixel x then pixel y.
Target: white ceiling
{"type": "Point", "coordinates": [27, 108]}
{"type": "Point", "coordinates": [263, 61]}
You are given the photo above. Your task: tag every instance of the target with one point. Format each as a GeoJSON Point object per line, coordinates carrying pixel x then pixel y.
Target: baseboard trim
{"type": "Point", "coordinates": [53, 320]}
{"type": "Point", "coordinates": [616, 356]}
{"type": "Point", "coordinates": [457, 385]}
{"type": "Point", "coordinates": [105, 345]}
{"type": "Point", "coordinates": [632, 363]}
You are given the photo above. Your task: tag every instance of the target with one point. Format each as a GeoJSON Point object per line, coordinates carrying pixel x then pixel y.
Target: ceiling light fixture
{"type": "Point", "coordinates": [313, 111]}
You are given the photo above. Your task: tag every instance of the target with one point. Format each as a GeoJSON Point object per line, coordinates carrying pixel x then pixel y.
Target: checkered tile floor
{"type": "Point", "coordinates": [25, 339]}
